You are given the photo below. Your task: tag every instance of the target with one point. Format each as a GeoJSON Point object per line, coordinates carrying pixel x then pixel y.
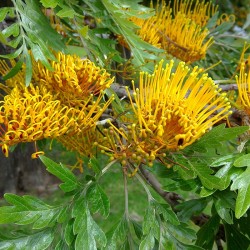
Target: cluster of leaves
{"type": "Point", "coordinates": [71, 223]}
{"type": "Point", "coordinates": [212, 170]}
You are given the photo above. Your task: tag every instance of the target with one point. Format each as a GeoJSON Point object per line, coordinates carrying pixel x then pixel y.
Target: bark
{"type": "Point", "coordinates": [21, 174]}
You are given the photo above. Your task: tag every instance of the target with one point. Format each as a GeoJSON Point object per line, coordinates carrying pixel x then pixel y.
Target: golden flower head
{"type": "Point", "coordinates": [64, 102]}
{"type": "Point", "coordinates": [243, 82]}
{"type": "Point", "coordinates": [73, 78]}
{"type": "Point", "coordinates": [183, 38]}
{"type": "Point", "coordinates": [32, 114]}
{"type": "Point", "coordinates": [175, 109]}
{"type": "Point", "coordinates": [199, 12]}
{"type": "Point", "coordinates": [170, 110]}
{"type": "Point", "coordinates": [179, 32]}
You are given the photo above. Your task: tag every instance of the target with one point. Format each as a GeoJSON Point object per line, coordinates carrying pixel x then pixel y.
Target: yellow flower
{"type": "Point", "coordinates": [173, 110]}
{"type": "Point", "coordinates": [243, 82]}
{"type": "Point", "coordinates": [73, 79]}
{"type": "Point", "coordinates": [184, 39]}
{"type": "Point", "coordinates": [180, 33]}
{"type": "Point", "coordinates": [66, 102]}
{"type": "Point", "coordinates": [31, 114]}
{"type": "Point", "coordinates": [199, 12]}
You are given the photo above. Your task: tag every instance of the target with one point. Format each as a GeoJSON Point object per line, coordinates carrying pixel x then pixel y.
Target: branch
{"type": "Point", "coordinates": [229, 87]}
{"type": "Point", "coordinates": [169, 197]}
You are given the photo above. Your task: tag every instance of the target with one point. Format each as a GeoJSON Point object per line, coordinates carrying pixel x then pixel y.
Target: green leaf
{"type": "Point", "coordinates": [235, 239]}
{"type": "Point", "coordinates": [49, 3]}
{"type": "Point", "coordinates": [206, 234]}
{"type": "Point", "coordinates": [148, 242]}
{"type": "Point", "coordinates": [148, 220]}
{"type": "Point", "coordinates": [190, 208]}
{"type": "Point", "coordinates": [68, 232]}
{"type": "Point", "coordinates": [223, 160]}
{"type": "Point", "coordinates": [212, 21]}
{"type": "Point", "coordinates": [28, 68]}
{"type": "Point", "coordinates": [98, 200]}
{"type": "Point", "coordinates": [182, 232]}
{"type": "Point", "coordinates": [66, 12]}
{"type": "Point", "coordinates": [222, 28]}
{"type": "Point", "coordinates": [243, 161]}
{"type": "Point", "coordinates": [27, 210]}
{"type": "Point", "coordinates": [14, 70]}
{"type": "Point", "coordinates": [167, 213]}
{"type": "Point", "coordinates": [205, 174]}
{"type": "Point", "coordinates": [95, 165]}
{"type": "Point", "coordinates": [4, 11]}
{"type": "Point", "coordinates": [37, 241]}
{"type": "Point", "coordinates": [87, 232]}
{"type": "Point", "coordinates": [216, 136]}
{"type": "Point", "coordinates": [243, 198]}
{"type": "Point", "coordinates": [12, 30]}
{"type": "Point", "coordinates": [137, 228]}
{"type": "Point", "coordinates": [224, 205]}
{"type": "Point", "coordinates": [63, 173]}
{"type": "Point", "coordinates": [117, 235]}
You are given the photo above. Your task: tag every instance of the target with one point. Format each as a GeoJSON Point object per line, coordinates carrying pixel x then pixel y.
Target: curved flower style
{"type": "Point", "coordinates": [31, 115]}
{"type": "Point", "coordinates": [199, 12]}
{"type": "Point", "coordinates": [175, 109]}
{"type": "Point", "coordinates": [184, 39]}
{"type": "Point", "coordinates": [170, 111]}
{"type": "Point", "coordinates": [179, 32]}
{"type": "Point", "coordinates": [66, 102]}
{"type": "Point", "coordinates": [243, 82]}
{"type": "Point", "coordinates": [73, 78]}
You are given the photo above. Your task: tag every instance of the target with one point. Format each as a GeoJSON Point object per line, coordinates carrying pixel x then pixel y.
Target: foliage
{"type": "Point", "coordinates": [198, 193]}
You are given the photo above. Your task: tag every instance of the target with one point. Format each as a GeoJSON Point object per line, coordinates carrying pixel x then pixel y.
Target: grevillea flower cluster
{"type": "Point", "coordinates": [180, 31]}
{"type": "Point", "coordinates": [243, 83]}
{"type": "Point", "coordinates": [66, 102]}
{"type": "Point", "coordinates": [170, 110]}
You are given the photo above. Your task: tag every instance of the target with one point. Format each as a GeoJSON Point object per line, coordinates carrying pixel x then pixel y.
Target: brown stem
{"type": "Point", "coordinates": [169, 197]}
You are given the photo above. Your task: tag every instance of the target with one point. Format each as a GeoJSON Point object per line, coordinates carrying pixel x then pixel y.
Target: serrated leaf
{"type": "Point", "coordinates": [205, 174]}
{"type": "Point", "coordinates": [66, 12]}
{"type": "Point", "coordinates": [37, 241]}
{"type": "Point", "coordinates": [182, 232]}
{"type": "Point", "coordinates": [28, 68]}
{"type": "Point", "coordinates": [243, 198]}
{"type": "Point", "coordinates": [63, 173]}
{"type": "Point", "coordinates": [148, 220]}
{"type": "Point", "coordinates": [216, 136]}
{"type": "Point", "coordinates": [12, 30]}
{"type": "Point", "coordinates": [212, 21]}
{"type": "Point", "coordinates": [137, 228]}
{"type": "Point", "coordinates": [4, 11]}
{"type": "Point", "coordinates": [27, 210]}
{"type": "Point", "coordinates": [235, 239]}
{"type": "Point", "coordinates": [98, 200]}
{"type": "Point", "coordinates": [223, 160]}
{"type": "Point", "coordinates": [224, 205]}
{"type": "Point", "coordinates": [167, 213]}
{"type": "Point", "coordinates": [88, 233]}
{"type": "Point", "coordinates": [14, 70]}
{"type": "Point", "coordinates": [206, 234]}
{"type": "Point", "coordinates": [49, 3]}
{"type": "Point", "coordinates": [222, 28]}
{"type": "Point", "coordinates": [95, 165]}
{"type": "Point", "coordinates": [243, 161]}
{"type": "Point", "coordinates": [117, 235]}
{"type": "Point", "coordinates": [189, 208]}
{"type": "Point", "coordinates": [68, 232]}
{"type": "Point", "coordinates": [147, 243]}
